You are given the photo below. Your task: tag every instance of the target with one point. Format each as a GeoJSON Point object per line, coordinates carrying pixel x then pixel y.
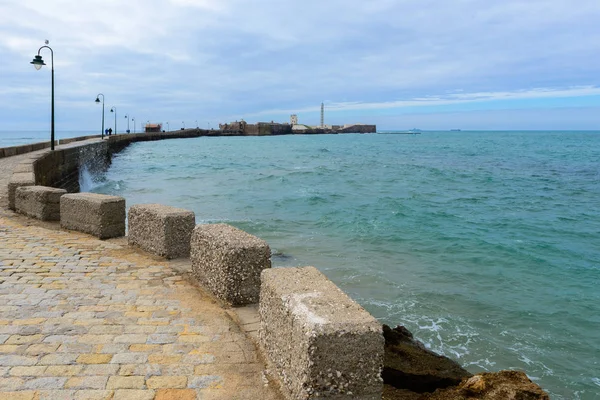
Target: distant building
{"type": "Point", "coordinates": [153, 128]}
{"type": "Point", "coordinates": [293, 119]}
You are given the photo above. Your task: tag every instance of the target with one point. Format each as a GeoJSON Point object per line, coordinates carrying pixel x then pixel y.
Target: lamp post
{"type": "Point", "coordinates": [168, 129]}
{"type": "Point", "coordinates": [98, 101]}
{"type": "Point", "coordinates": [114, 109]}
{"type": "Point", "coordinates": [38, 63]}
{"type": "Point", "coordinates": [182, 125]}
{"type": "Point", "coordinates": [133, 119]}
{"type": "Point", "coordinates": [127, 116]}
{"type": "Point", "coordinates": [196, 124]}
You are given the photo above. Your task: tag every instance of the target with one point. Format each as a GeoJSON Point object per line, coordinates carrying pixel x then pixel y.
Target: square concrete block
{"type": "Point", "coordinates": [41, 202]}
{"type": "Point", "coordinates": [321, 343]}
{"type": "Point", "coordinates": [18, 180]}
{"type": "Point", "coordinates": [161, 230]}
{"type": "Point", "coordinates": [97, 214]}
{"type": "Point", "coordinates": [228, 261]}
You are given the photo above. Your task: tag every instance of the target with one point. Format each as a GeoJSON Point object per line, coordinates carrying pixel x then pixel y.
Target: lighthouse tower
{"type": "Point", "coordinates": [322, 115]}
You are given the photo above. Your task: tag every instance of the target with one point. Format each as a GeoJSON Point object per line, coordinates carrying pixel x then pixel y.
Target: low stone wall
{"type": "Point", "coordinates": [39, 202]}
{"type": "Point", "coordinates": [61, 168]}
{"type": "Point", "coordinates": [322, 344]}
{"type": "Point", "coordinates": [26, 148]}
{"type": "Point", "coordinates": [97, 214]}
{"type": "Point", "coordinates": [161, 230]}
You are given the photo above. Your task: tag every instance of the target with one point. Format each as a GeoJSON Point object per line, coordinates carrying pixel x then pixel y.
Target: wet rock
{"type": "Point", "coordinates": [392, 393]}
{"type": "Point", "coordinates": [409, 365]}
{"type": "Point", "coordinates": [503, 385]}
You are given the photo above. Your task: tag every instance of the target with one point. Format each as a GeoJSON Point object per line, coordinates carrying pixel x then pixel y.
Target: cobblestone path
{"type": "Point", "coordinates": [82, 318]}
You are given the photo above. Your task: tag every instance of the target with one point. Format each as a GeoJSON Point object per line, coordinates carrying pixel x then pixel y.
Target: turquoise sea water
{"type": "Point", "coordinates": [486, 245]}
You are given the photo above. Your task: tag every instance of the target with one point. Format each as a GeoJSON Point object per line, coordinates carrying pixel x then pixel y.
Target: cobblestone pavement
{"type": "Point", "coordinates": [82, 318]}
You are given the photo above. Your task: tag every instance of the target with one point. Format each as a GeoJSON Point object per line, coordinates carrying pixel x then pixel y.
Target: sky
{"type": "Point", "coordinates": [400, 64]}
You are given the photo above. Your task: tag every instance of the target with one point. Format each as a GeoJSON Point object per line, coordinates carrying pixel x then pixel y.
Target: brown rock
{"type": "Point", "coordinates": [392, 393]}
{"type": "Point", "coordinates": [409, 365]}
{"type": "Point", "coordinates": [503, 385]}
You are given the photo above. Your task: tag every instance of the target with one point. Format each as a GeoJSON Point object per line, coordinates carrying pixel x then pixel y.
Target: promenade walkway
{"type": "Point", "coordinates": [82, 318]}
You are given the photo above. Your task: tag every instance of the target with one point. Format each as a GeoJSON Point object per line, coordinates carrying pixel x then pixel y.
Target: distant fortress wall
{"type": "Point", "coordinates": [242, 128]}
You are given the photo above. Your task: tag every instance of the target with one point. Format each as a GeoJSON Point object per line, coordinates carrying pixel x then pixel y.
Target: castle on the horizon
{"type": "Point", "coordinates": [293, 127]}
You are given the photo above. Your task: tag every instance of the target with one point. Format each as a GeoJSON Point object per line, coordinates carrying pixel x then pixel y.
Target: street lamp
{"type": "Point", "coordinates": [133, 119]}
{"type": "Point", "coordinates": [182, 125]}
{"type": "Point", "coordinates": [127, 116]}
{"type": "Point", "coordinates": [98, 101]}
{"type": "Point", "coordinates": [196, 124]}
{"type": "Point", "coordinates": [114, 109]}
{"type": "Point", "coordinates": [168, 129]}
{"type": "Point", "coordinates": [38, 63]}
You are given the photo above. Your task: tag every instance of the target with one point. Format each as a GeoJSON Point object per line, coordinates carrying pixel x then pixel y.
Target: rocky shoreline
{"type": "Point", "coordinates": [413, 372]}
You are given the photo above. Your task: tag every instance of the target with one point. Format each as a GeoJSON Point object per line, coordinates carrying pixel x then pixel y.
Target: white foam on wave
{"type": "Point", "coordinates": [86, 180]}
{"type": "Point", "coordinates": [596, 381]}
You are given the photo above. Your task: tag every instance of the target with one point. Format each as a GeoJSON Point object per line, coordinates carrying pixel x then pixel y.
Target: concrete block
{"type": "Point", "coordinates": [161, 230]}
{"type": "Point", "coordinates": [97, 214]}
{"type": "Point", "coordinates": [41, 202]}
{"type": "Point", "coordinates": [18, 180]}
{"type": "Point", "coordinates": [321, 343]}
{"type": "Point", "coordinates": [228, 261]}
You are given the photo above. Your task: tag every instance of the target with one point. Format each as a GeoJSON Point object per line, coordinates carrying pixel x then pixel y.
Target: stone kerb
{"type": "Point", "coordinates": [97, 214]}
{"type": "Point", "coordinates": [161, 230]}
{"type": "Point", "coordinates": [39, 202]}
{"type": "Point", "coordinates": [321, 343]}
{"type": "Point", "coordinates": [229, 261]}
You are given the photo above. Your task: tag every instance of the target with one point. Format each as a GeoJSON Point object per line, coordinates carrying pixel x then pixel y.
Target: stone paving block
{"type": "Point", "coordinates": [63, 370]}
{"type": "Point", "coordinates": [94, 358]}
{"type": "Point", "coordinates": [56, 394]}
{"type": "Point", "coordinates": [100, 369]}
{"type": "Point", "coordinates": [157, 382]}
{"type": "Point", "coordinates": [41, 202]}
{"type": "Point", "coordinates": [129, 358]}
{"type": "Point", "coordinates": [228, 262]}
{"type": "Point", "coordinates": [126, 382]}
{"type": "Point", "coordinates": [175, 394]}
{"type": "Point", "coordinates": [132, 394]}
{"type": "Point", "coordinates": [162, 230]}
{"type": "Point", "coordinates": [99, 215]}
{"type": "Point", "coordinates": [20, 395]}
{"type": "Point", "coordinates": [13, 360]}
{"type": "Point", "coordinates": [27, 371]}
{"type": "Point", "coordinates": [87, 382]}
{"type": "Point", "coordinates": [12, 383]}
{"type": "Point", "coordinates": [46, 383]}
{"type": "Point", "coordinates": [308, 326]}
{"type": "Point", "coordinates": [93, 395]}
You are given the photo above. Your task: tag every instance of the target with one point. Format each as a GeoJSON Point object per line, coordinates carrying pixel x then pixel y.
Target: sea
{"type": "Point", "coordinates": [486, 245]}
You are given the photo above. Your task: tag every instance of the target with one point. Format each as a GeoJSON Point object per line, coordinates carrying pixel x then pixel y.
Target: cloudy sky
{"type": "Point", "coordinates": [430, 64]}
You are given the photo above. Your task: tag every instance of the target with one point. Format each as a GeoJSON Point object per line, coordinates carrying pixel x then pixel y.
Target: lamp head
{"type": "Point", "coordinates": [97, 99]}
{"type": "Point", "coordinates": [38, 62]}
{"type": "Point", "coordinates": [112, 109]}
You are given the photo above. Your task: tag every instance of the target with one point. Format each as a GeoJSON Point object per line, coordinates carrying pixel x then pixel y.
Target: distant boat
{"type": "Point", "coordinates": [454, 130]}
{"type": "Point", "coordinates": [413, 131]}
